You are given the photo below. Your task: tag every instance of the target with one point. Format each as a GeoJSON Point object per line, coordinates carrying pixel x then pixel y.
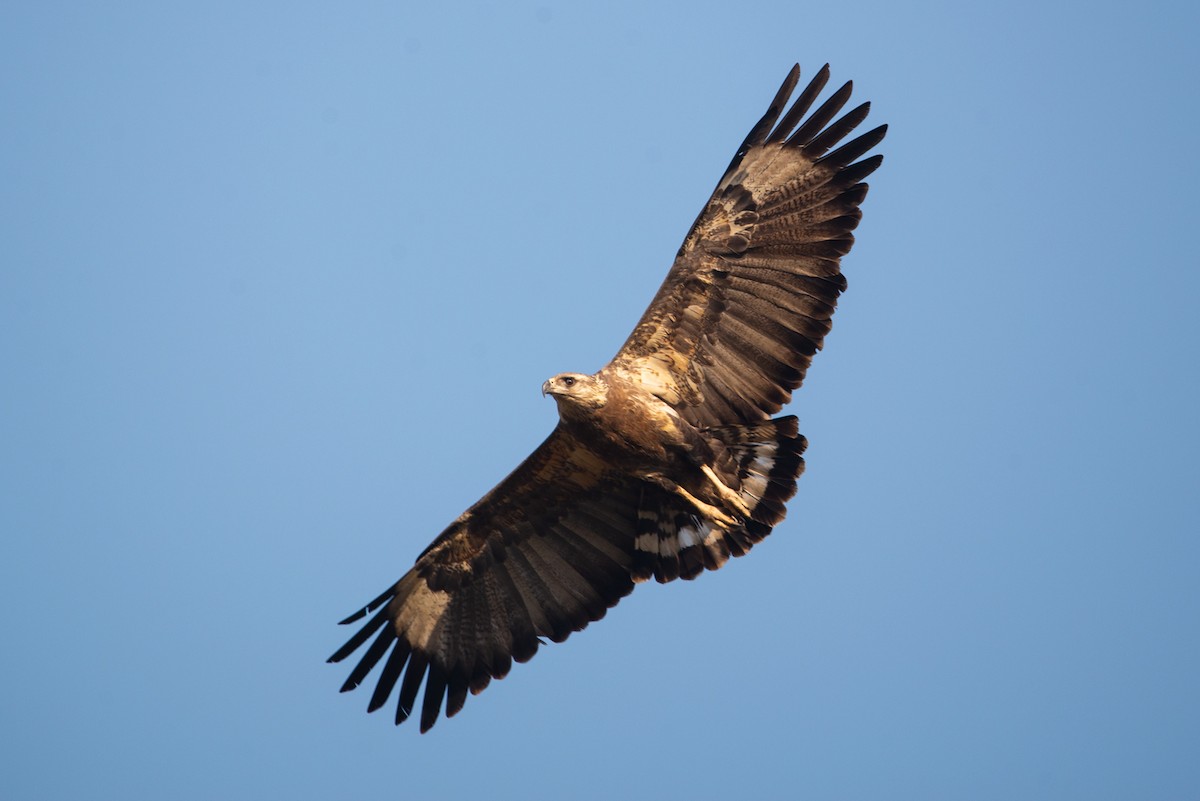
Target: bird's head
{"type": "Point", "coordinates": [576, 391]}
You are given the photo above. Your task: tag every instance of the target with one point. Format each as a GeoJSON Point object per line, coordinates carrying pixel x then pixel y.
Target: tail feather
{"type": "Point", "coordinates": [674, 541]}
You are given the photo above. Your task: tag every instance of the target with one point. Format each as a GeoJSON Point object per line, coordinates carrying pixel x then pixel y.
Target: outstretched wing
{"type": "Point", "coordinates": [750, 297]}
{"type": "Point", "coordinates": [542, 555]}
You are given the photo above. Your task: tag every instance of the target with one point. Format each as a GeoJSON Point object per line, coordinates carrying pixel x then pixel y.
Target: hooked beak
{"type": "Point", "coordinates": [545, 388]}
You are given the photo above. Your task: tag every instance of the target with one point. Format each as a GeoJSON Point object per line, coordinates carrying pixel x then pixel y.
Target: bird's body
{"type": "Point", "coordinates": [623, 423]}
{"type": "Point", "coordinates": [643, 437]}
{"type": "Point", "coordinates": [665, 462]}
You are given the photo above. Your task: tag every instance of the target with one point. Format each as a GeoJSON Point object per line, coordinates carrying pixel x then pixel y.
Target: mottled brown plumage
{"type": "Point", "coordinates": [664, 463]}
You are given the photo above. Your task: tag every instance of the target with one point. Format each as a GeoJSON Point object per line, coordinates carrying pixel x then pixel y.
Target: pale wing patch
{"type": "Point", "coordinates": [658, 544]}
{"type": "Point", "coordinates": [417, 620]}
{"type": "Point", "coordinates": [671, 543]}
{"type": "Point", "coordinates": [669, 369]}
{"type": "Point", "coordinates": [653, 374]}
{"type": "Point", "coordinates": [765, 176]}
{"type": "Point", "coordinates": [712, 535]}
{"type": "Point", "coordinates": [728, 224]}
{"type": "Point", "coordinates": [655, 537]}
{"type": "Point", "coordinates": [691, 536]}
{"type": "Point", "coordinates": [758, 472]}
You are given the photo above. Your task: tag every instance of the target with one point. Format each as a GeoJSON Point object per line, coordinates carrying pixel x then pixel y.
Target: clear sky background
{"type": "Point", "coordinates": [279, 284]}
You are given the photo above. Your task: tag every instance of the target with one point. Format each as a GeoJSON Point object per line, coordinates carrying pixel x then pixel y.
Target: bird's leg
{"type": "Point", "coordinates": [728, 495]}
{"type": "Point", "coordinates": [718, 516]}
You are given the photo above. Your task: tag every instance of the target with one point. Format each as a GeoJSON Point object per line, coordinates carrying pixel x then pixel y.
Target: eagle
{"type": "Point", "coordinates": [669, 459]}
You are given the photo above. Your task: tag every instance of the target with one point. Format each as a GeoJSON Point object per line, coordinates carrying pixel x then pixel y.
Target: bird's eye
{"type": "Point", "coordinates": [568, 381]}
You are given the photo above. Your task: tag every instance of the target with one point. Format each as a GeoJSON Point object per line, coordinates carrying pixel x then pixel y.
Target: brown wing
{"type": "Point", "coordinates": [750, 297]}
{"type": "Point", "coordinates": [542, 555]}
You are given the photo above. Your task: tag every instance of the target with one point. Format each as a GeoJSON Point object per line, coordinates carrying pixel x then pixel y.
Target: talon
{"type": "Point", "coordinates": [718, 516]}
{"type": "Point", "coordinates": [713, 513]}
{"type": "Point", "coordinates": [727, 494]}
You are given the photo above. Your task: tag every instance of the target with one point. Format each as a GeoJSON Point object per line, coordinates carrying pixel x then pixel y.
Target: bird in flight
{"type": "Point", "coordinates": [667, 461]}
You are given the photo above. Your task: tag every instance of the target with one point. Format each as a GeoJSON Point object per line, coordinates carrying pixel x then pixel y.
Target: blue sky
{"type": "Point", "coordinates": [279, 285]}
